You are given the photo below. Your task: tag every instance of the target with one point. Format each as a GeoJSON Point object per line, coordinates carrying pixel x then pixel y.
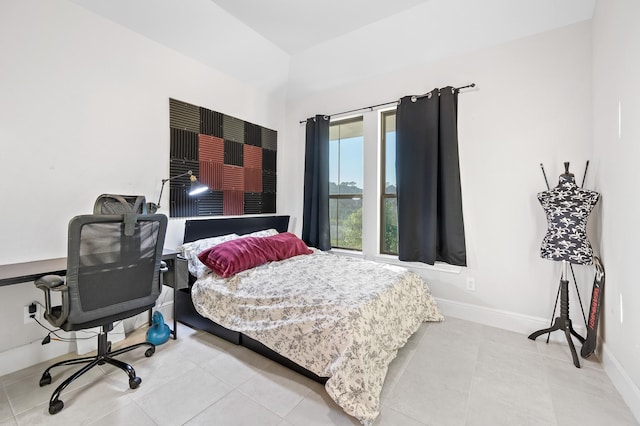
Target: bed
{"type": "Point", "coordinates": [317, 313]}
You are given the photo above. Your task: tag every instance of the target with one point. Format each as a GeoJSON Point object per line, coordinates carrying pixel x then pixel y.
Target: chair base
{"type": "Point", "coordinates": [104, 355]}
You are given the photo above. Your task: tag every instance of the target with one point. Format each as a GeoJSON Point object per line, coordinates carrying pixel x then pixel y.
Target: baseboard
{"type": "Point", "coordinates": [621, 380]}
{"type": "Point", "coordinates": [512, 321]}
{"type": "Point", "coordinates": [33, 353]}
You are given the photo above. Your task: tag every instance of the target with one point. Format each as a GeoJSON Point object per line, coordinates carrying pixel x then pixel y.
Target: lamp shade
{"type": "Point", "coordinates": [197, 187]}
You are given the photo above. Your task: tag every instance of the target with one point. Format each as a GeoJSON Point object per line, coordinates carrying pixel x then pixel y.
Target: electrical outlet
{"type": "Point", "coordinates": [471, 284]}
{"type": "Point", "coordinates": [37, 314]}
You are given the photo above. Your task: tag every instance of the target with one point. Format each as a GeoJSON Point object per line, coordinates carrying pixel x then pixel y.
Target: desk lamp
{"type": "Point", "coordinates": [196, 188]}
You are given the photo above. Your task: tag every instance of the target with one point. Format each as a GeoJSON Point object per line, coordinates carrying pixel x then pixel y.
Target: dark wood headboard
{"type": "Point", "coordinates": [205, 228]}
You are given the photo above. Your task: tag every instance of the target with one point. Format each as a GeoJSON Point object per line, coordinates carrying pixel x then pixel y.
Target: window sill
{"type": "Point", "coordinates": [344, 252]}
{"type": "Point", "coordinates": [393, 260]}
{"type": "Point", "coordinates": [439, 266]}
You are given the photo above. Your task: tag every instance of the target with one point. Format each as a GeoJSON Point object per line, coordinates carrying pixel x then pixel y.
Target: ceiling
{"type": "Point", "coordinates": [296, 25]}
{"type": "Point", "coordinates": [299, 47]}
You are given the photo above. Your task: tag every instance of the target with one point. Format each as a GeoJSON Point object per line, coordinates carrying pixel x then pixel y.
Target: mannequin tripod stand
{"type": "Point", "coordinates": [563, 322]}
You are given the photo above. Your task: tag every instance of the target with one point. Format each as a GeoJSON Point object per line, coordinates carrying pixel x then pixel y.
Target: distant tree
{"type": "Point", "coordinates": [390, 226]}
{"type": "Point", "coordinates": [344, 188]}
{"type": "Point", "coordinates": [353, 230]}
{"type": "Point", "coordinates": [343, 215]}
{"type": "Point", "coordinates": [346, 225]}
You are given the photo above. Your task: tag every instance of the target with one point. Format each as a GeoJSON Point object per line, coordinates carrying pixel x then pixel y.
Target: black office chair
{"type": "Point", "coordinates": [113, 273]}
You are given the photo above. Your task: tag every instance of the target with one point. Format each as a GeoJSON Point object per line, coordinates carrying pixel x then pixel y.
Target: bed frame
{"type": "Point", "coordinates": [186, 312]}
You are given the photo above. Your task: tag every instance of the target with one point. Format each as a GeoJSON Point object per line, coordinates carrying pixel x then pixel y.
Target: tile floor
{"type": "Point", "coordinates": [450, 373]}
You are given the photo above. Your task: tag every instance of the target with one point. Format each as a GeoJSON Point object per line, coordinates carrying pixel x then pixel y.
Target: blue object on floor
{"type": "Point", "coordinates": [159, 332]}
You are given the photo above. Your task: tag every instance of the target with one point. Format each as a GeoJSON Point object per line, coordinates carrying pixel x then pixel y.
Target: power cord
{"type": "Point", "coordinates": [59, 338]}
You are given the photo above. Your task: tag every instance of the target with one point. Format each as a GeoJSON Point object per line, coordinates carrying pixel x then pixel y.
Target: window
{"type": "Point", "coordinates": [388, 195]}
{"type": "Point", "coordinates": [345, 183]}
{"type": "Point", "coordinates": [362, 169]}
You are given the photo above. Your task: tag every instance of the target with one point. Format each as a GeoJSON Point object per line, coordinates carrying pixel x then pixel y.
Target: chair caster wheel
{"type": "Point", "coordinates": [55, 406]}
{"type": "Point", "coordinates": [149, 352]}
{"type": "Point", "coordinates": [134, 383]}
{"type": "Point", "coordinates": [45, 379]}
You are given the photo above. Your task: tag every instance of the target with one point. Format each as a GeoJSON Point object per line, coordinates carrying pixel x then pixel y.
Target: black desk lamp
{"type": "Point", "coordinates": [196, 188]}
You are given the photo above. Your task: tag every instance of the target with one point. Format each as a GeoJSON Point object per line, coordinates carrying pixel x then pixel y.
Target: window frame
{"type": "Point", "coordinates": [384, 195]}
{"type": "Point", "coordinates": [360, 196]}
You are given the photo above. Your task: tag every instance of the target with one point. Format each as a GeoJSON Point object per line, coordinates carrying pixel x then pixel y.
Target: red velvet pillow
{"type": "Point", "coordinates": [238, 255]}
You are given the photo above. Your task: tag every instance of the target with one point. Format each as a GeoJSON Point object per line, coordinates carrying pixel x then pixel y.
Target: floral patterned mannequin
{"type": "Point", "coordinates": [567, 207]}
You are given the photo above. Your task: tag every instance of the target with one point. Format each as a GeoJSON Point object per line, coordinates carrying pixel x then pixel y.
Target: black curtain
{"type": "Point", "coordinates": [430, 223]}
{"type": "Point", "coordinates": [315, 217]}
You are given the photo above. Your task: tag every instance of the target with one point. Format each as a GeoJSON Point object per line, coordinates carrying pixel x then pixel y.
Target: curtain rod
{"type": "Point", "coordinates": [370, 108]}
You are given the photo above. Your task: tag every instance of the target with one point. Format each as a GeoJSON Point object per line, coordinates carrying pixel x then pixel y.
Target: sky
{"type": "Point", "coordinates": [349, 168]}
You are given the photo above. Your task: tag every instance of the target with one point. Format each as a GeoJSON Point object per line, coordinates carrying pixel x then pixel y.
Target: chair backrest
{"type": "Point", "coordinates": [128, 205]}
{"type": "Point", "coordinates": [113, 274]}
{"type": "Point", "coordinates": [120, 204]}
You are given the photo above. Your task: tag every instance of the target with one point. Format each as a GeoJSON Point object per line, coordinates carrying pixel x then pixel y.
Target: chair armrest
{"type": "Point", "coordinates": [50, 283]}
{"type": "Point", "coordinates": [164, 268]}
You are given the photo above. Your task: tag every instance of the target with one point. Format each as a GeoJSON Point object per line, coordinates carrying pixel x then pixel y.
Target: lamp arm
{"type": "Point", "coordinates": [190, 173]}
{"type": "Point", "coordinates": [161, 189]}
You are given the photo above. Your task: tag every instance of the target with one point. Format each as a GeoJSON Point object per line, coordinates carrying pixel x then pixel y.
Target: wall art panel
{"type": "Point", "coordinates": [236, 159]}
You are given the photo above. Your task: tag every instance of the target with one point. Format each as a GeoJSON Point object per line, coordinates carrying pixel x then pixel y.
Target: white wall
{"type": "Point", "coordinates": [84, 110]}
{"type": "Point", "coordinates": [532, 105]}
{"type": "Point", "coordinates": [428, 32]}
{"type": "Point", "coordinates": [616, 133]}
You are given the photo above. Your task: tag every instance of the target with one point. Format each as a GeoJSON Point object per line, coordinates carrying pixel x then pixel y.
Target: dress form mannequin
{"type": "Point", "coordinates": [567, 207]}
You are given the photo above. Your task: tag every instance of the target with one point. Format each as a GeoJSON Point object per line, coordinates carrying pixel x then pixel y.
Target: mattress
{"type": "Point", "coordinates": [337, 316]}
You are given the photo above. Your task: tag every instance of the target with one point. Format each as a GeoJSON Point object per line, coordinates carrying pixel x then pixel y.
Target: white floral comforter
{"type": "Point", "coordinates": [337, 316]}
